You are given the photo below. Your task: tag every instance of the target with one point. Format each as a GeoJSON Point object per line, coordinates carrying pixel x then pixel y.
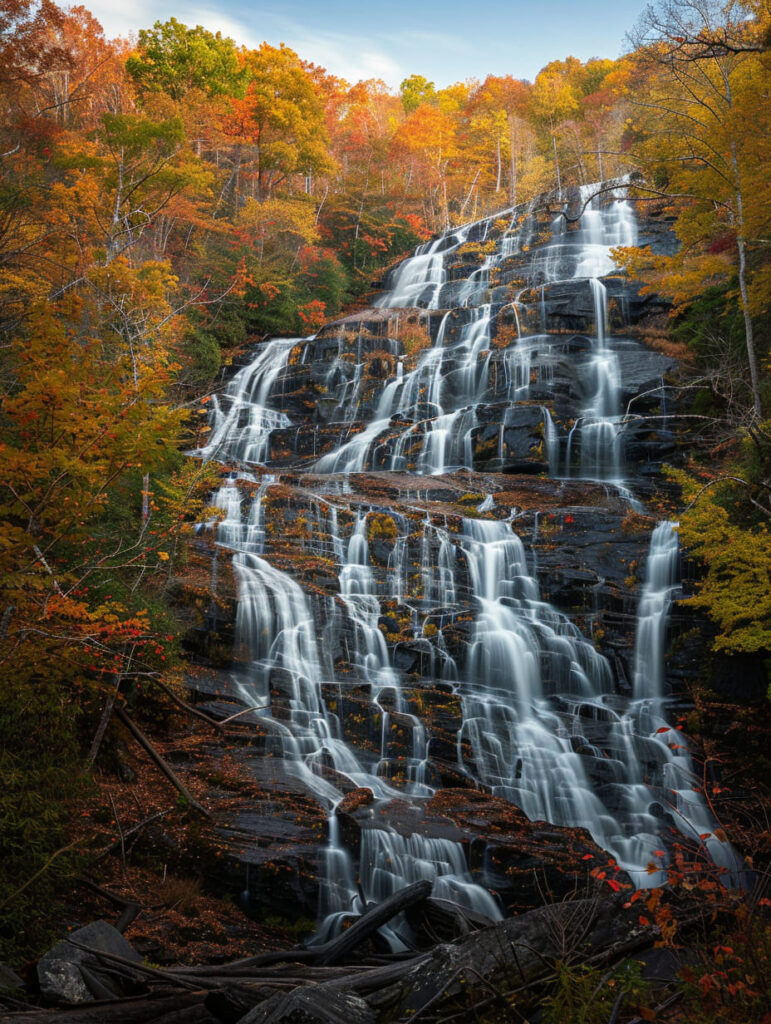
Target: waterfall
{"type": "Point", "coordinates": [242, 419]}
{"type": "Point", "coordinates": [418, 280]}
{"type": "Point", "coordinates": [655, 601]}
{"type": "Point", "coordinates": [437, 599]}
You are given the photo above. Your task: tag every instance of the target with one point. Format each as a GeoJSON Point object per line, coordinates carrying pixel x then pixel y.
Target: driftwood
{"type": "Point", "coordinates": [336, 949]}
{"type": "Point", "coordinates": [312, 1005]}
{"type": "Point", "coordinates": [144, 742]}
{"type": "Point", "coordinates": [441, 920]}
{"type": "Point", "coordinates": [517, 954]}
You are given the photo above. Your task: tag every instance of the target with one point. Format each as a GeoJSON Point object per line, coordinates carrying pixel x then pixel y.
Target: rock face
{"type": "Point", "coordinates": [443, 609]}
{"type": "Point", "coordinates": [65, 977]}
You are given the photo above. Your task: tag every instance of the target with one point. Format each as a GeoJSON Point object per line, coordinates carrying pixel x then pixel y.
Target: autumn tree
{"type": "Point", "coordinates": [498, 111]}
{"type": "Point", "coordinates": [175, 59]}
{"type": "Point", "coordinates": [429, 136]}
{"type": "Point", "coordinates": [279, 124]}
{"type": "Point", "coordinates": [554, 100]}
{"type": "Point", "coordinates": [705, 123]}
{"type": "Point", "coordinates": [416, 90]}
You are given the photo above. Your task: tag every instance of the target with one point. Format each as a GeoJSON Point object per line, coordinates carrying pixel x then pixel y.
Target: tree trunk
{"type": "Point", "coordinates": [513, 170]}
{"type": "Point", "coordinates": [370, 922]}
{"type": "Point", "coordinates": [749, 335]}
{"type": "Point", "coordinates": [143, 741]}
{"type": "Point", "coordinates": [557, 164]}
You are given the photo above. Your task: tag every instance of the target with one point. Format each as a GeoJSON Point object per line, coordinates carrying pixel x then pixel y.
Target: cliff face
{"type": "Point", "coordinates": [448, 610]}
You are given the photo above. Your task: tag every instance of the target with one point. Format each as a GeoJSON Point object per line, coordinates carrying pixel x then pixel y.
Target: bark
{"type": "Point", "coordinates": [312, 1006]}
{"type": "Point", "coordinates": [557, 165]}
{"type": "Point", "coordinates": [512, 146]}
{"type": "Point", "coordinates": [130, 910]}
{"type": "Point", "coordinates": [470, 192]}
{"type": "Point", "coordinates": [103, 722]}
{"type": "Point", "coordinates": [144, 742]}
{"type": "Point", "coordinates": [749, 336]}
{"type": "Point", "coordinates": [141, 1010]}
{"type": "Point", "coordinates": [514, 954]}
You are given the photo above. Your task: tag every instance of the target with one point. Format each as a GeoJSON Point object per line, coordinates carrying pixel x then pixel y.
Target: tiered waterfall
{"type": "Point", "coordinates": [382, 554]}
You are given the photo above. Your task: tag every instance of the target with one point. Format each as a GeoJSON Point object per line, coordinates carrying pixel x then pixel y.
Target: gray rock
{"type": "Point", "coordinates": [9, 980]}
{"type": "Point", "coordinates": [59, 970]}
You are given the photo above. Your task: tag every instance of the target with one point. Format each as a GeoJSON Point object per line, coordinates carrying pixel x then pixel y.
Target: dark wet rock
{"type": "Point", "coordinates": [523, 861]}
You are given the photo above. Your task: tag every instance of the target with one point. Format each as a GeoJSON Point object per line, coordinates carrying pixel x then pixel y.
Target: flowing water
{"type": "Point", "coordinates": [544, 720]}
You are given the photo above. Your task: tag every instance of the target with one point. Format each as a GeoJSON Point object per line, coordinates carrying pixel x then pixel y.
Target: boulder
{"type": "Point", "coordinates": [65, 977]}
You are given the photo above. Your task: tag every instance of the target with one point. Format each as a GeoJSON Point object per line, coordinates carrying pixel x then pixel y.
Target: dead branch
{"type": "Point", "coordinates": [145, 743]}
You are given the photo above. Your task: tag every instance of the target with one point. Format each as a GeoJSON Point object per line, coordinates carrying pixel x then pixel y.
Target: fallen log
{"type": "Point", "coordinates": [145, 743]}
{"type": "Point", "coordinates": [130, 909]}
{"type": "Point", "coordinates": [516, 954]}
{"type": "Point", "coordinates": [312, 1005]}
{"type": "Point", "coordinates": [511, 961]}
{"type": "Point", "coordinates": [336, 949]}
{"type": "Point", "coordinates": [441, 920]}
{"type": "Point", "coordinates": [147, 1009]}
{"type": "Point", "coordinates": [131, 968]}
{"type": "Point", "coordinates": [191, 710]}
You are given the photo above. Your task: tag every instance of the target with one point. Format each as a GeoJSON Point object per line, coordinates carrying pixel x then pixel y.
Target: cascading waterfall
{"type": "Point", "coordinates": [243, 421]}
{"type": "Point", "coordinates": [418, 280]}
{"type": "Point", "coordinates": [655, 601]}
{"type": "Point", "coordinates": [277, 628]}
{"type": "Point", "coordinates": [645, 730]}
{"type": "Point", "coordinates": [543, 723]}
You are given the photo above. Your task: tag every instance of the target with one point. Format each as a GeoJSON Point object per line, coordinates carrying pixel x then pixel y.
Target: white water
{"type": "Point", "coordinates": [418, 280]}
{"type": "Point", "coordinates": [661, 582]}
{"type": "Point", "coordinates": [542, 723]}
{"type": "Point", "coordinates": [242, 419]}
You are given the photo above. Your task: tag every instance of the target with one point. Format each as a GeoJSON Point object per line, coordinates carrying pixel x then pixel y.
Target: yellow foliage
{"type": "Point", "coordinates": [736, 589]}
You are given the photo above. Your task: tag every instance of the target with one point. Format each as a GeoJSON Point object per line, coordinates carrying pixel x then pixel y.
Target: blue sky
{"type": "Point", "coordinates": [447, 41]}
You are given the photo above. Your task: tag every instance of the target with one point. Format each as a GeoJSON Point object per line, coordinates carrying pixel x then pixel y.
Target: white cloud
{"type": "Point", "coordinates": [348, 56]}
